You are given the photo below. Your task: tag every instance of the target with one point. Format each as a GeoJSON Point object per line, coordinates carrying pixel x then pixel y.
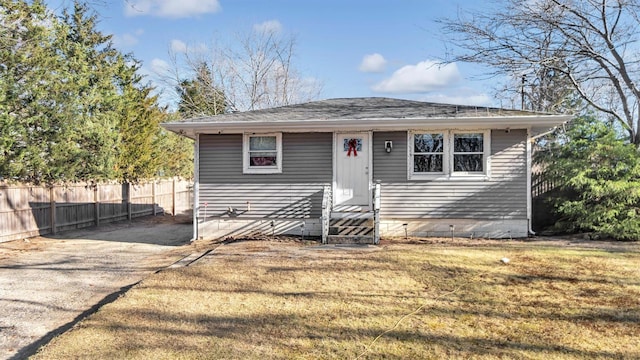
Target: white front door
{"type": "Point", "coordinates": [352, 169]}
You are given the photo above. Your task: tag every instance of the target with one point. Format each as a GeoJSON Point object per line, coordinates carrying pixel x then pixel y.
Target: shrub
{"type": "Point", "coordinates": [599, 178]}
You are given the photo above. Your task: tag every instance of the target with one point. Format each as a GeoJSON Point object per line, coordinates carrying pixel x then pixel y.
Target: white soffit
{"type": "Point", "coordinates": [538, 124]}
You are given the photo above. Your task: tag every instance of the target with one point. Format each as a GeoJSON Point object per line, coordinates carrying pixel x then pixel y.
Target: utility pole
{"type": "Point", "coordinates": [524, 80]}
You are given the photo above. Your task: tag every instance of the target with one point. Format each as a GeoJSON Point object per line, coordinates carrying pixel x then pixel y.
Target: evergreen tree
{"type": "Point", "coordinates": [28, 112]}
{"type": "Point", "coordinates": [71, 106]}
{"type": "Point", "coordinates": [599, 180]}
{"type": "Point", "coordinates": [199, 96]}
{"type": "Point", "coordinates": [176, 152]}
{"type": "Point", "coordinates": [89, 99]}
{"type": "Point", "coordinates": [139, 122]}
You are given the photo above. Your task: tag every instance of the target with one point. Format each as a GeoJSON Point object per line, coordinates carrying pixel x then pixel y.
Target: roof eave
{"type": "Point", "coordinates": [190, 129]}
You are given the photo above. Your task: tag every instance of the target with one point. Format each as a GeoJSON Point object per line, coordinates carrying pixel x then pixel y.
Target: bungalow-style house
{"type": "Point", "coordinates": [356, 169]}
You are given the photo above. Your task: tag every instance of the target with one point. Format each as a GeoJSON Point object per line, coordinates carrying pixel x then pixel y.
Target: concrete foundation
{"type": "Point", "coordinates": [217, 228]}
{"type": "Point", "coordinates": [220, 228]}
{"type": "Point", "coordinates": [492, 229]}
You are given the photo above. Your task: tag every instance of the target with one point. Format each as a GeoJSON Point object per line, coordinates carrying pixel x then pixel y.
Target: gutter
{"type": "Point", "coordinates": [530, 140]}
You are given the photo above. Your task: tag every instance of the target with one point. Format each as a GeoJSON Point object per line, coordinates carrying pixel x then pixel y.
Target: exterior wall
{"type": "Point", "coordinates": [497, 206]}
{"type": "Point", "coordinates": [256, 199]}
{"type": "Point", "coordinates": [235, 204]}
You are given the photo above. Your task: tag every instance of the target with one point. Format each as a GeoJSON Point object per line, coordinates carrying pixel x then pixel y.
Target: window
{"type": "Point", "coordinates": [428, 153]}
{"type": "Point", "coordinates": [262, 153]}
{"type": "Point", "coordinates": [468, 152]}
{"type": "Point", "coordinates": [446, 154]}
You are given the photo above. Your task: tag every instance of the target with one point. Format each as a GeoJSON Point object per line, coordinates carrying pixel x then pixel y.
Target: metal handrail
{"type": "Point", "coordinates": [376, 212]}
{"type": "Point", "coordinates": [327, 204]}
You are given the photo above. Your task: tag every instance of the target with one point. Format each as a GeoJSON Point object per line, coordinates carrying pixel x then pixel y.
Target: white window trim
{"type": "Point", "coordinates": [486, 152]}
{"type": "Point", "coordinates": [448, 172]}
{"type": "Point", "coordinates": [247, 169]}
{"type": "Point", "coordinates": [445, 151]}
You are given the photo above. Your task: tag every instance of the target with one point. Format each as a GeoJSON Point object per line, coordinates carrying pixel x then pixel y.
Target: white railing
{"type": "Point", "coordinates": [376, 212]}
{"type": "Point", "coordinates": [327, 204]}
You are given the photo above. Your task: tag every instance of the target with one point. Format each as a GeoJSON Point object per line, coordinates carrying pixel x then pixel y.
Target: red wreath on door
{"type": "Point", "coordinates": [353, 143]}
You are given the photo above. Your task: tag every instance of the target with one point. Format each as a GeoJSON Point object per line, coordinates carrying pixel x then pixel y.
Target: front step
{"type": "Point", "coordinates": [351, 228]}
{"type": "Point", "coordinates": [350, 239]}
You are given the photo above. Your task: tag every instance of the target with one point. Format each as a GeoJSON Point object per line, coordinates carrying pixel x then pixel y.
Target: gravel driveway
{"type": "Point", "coordinates": [47, 284]}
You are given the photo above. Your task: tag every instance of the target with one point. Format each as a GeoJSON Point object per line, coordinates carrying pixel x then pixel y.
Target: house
{"type": "Point", "coordinates": [356, 169]}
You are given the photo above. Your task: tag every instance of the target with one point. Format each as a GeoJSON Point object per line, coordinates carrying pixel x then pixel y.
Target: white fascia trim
{"type": "Point", "coordinates": [312, 125]}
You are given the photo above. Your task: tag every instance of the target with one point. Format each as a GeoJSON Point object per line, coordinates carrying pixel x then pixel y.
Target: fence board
{"type": "Point", "coordinates": [27, 211]}
{"type": "Point", "coordinates": [543, 187]}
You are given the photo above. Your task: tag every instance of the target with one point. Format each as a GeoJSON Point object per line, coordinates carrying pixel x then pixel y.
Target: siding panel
{"type": "Point", "coordinates": [390, 167]}
{"type": "Point", "coordinates": [295, 193]}
{"type": "Point", "coordinates": [307, 157]}
{"type": "Point", "coordinates": [503, 196]}
{"type": "Point", "coordinates": [272, 201]}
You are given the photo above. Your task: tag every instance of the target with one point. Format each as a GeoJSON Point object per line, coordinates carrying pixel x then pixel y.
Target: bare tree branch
{"type": "Point", "coordinates": [592, 44]}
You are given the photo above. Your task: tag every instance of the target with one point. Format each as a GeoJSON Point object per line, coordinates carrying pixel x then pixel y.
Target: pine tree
{"type": "Point", "coordinates": [71, 106]}
{"type": "Point", "coordinates": [89, 97]}
{"type": "Point", "coordinates": [139, 122]}
{"type": "Point", "coordinates": [26, 60]}
{"type": "Point", "coordinates": [176, 152]}
{"type": "Point", "coordinates": [199, 96]}
{"type": "Point", "coordinates": [598, 175]}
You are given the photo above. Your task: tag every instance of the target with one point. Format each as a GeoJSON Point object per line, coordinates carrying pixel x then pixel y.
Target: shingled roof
{"type": "Point", "coordinates": [361, 108]}
{"type": "Point", "coordinates": [365, 114]}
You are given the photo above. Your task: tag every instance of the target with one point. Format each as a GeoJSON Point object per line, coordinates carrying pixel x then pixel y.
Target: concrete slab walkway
{"type": "Point", "coordinates": [47, 284]}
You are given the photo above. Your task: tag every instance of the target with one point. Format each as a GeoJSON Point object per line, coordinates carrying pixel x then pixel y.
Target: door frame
{"type": "Point", "coordinates": [336, 149]}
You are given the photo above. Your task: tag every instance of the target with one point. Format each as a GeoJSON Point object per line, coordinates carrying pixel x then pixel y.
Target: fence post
{"type": "Point", "coordinates": [153, 196]}
{"type": "Point", "coordinates": [129, 215]}
{"type": "Point", "coordinates": [52, 206]}
{"type": "Point", "coordinates": [173, 197]}
{"type": "Point", "coordinates": [96, 202]}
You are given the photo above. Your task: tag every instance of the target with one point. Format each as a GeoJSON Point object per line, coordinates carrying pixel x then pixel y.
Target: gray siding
{"type": "Point", "coordinates": [295, 193]}
{"type": "Point", "coordinates": [390, 167]}
{"type": "Point", "coordinates": [501, 197]}
{"type": "Point", "coordinates": [306, 157]}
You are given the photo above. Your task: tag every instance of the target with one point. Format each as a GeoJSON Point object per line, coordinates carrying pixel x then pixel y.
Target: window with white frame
{"type": "Point", "coordinates": [262, 153]}
{"type": "Point", "coordinates": [468, 153]}
{"type": "Point", "coordinates": [450, 153]}
{"type": "Point", "coordinates": [428, 153]}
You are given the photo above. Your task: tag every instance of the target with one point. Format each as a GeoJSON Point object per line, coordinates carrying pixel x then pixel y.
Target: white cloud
{"type": "Point", "coordinates": [171, 8]}
{"type": "Point", "coordinates": [127, 40]}
{"type": "Point", "coordinates": [178, 46]}
{"type": "Point", "coordinates": [373, 63]}
{"type": "Point", "coordinates": [159, 66]}
{"type": "Point", "coordinates": [423, 77]}
{"type": "Point", "coordinates": [270, 26]}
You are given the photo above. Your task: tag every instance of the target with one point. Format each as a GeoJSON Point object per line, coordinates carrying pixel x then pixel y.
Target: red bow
{"type": "Point", "coordinates": [352, 146]}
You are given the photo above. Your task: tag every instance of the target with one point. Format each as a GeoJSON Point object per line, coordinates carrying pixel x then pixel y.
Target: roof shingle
{"type": "Point", "coordinates": [368, 108]}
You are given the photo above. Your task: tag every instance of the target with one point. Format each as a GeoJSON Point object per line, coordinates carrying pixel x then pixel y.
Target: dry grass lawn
{"type": "Point", "coordinates": [430, 299]}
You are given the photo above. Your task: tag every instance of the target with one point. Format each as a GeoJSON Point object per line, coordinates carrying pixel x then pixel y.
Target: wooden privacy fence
{"type": "Point", "coordinates": [541, 184]}
{"type": "Point", "coordinates": [27, 211]}
{"type": "Point", "coordinates": [542, 188]}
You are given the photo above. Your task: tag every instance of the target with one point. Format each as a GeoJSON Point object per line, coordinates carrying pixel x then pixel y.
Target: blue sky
{"type": "Point", "coordinates": [354, 48]}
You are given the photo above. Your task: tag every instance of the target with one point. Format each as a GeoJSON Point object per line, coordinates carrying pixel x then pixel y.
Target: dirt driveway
{"type": "Point", "coordinates": [47, 284]}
